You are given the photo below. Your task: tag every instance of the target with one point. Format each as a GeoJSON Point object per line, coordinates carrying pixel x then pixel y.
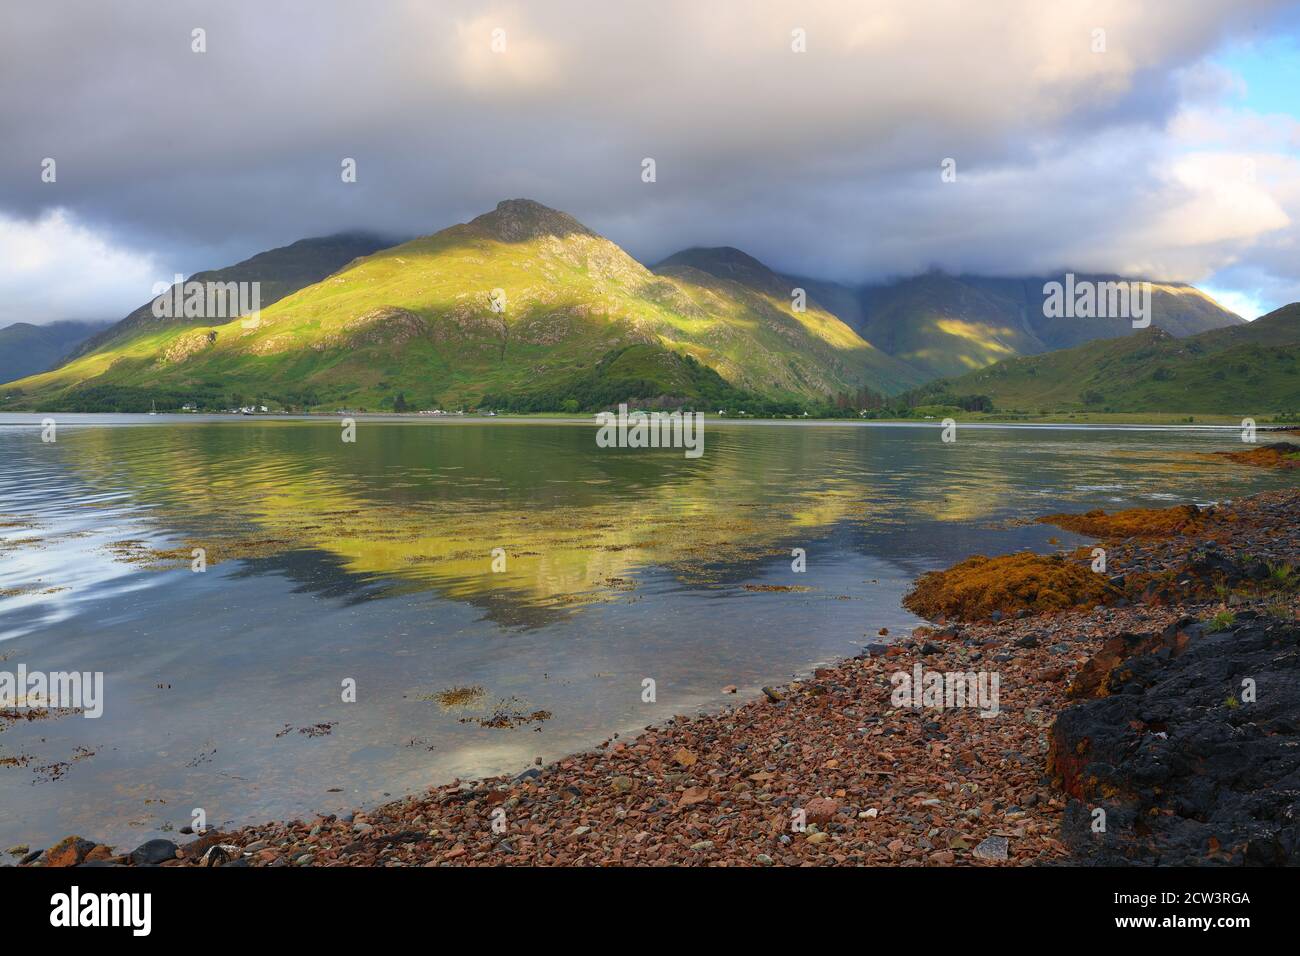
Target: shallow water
{"type": "Point", "coordinates": [373, 561]}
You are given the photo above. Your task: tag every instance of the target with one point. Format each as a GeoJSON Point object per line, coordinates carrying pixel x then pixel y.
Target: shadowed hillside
{"type": "Point", "coordinates": [26, 349]}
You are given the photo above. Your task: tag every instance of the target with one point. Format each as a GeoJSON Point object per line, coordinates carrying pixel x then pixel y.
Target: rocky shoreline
{"type": "Point", "coordinates": [989, 742]}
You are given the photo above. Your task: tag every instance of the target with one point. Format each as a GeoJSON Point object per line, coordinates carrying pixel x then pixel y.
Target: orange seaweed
{"type": "Point", "coordinates": [974, 589]}
{"type": "Point", "coordinates": [1132, 522]}
{"type": "Point", "coordinates": [1282, 454]}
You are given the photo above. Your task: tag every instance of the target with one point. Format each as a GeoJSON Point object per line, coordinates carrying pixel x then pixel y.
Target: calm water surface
{"type": "Point", "coordinates": [373, 562]}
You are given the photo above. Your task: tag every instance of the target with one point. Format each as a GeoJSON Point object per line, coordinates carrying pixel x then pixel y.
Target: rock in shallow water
{"type": "Point", "coordinates": [153, 852]}
{"type": "Point", "coordinates": [70, 851]}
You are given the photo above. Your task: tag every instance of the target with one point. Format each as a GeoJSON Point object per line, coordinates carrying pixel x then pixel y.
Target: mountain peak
{"type": "Point", "coordinates": [725, 262]}
{"type": "Point", "coordinates": [518, 220]}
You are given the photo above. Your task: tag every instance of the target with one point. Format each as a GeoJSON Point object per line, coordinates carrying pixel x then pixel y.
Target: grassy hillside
{"type": "Point", "coordinates": [646, 376]}
{"type": "Point", "coordinates": [419, 319]}
{"type": "Point", "coordinates": [1248, 370]}
{"type": "Point", "coordinates": [26, 349]}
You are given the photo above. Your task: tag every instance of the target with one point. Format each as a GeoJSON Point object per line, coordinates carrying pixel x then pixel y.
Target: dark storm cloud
{"type": "Point", "coordinates": [824, 162]}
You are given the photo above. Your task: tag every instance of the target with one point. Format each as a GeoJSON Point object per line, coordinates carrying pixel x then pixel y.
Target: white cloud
{"type": "Point", "coordinates": [53, 268]}
{"type": "Point", "coordinates": [1211, 207]}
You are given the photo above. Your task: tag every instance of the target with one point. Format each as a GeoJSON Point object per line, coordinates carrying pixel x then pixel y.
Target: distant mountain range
{"type": "Point", "coordinates": [525, 308]}
{"type": "Point", "coordinates": [1249, 370]}
{"type": "Point", "coordinates": [26, 349]}
{"type": "Point", "coordinates": [941, 324]}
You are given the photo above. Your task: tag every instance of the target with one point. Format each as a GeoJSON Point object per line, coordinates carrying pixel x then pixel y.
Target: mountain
{"type": "Point", "coordinates": [1251, 369]}
{"type": "Point", "coordinates": [945, 325]}
{"type": "Point", "coordinates": [26, 349]}
{"type": "Point", "coordinates": [716, 275]}
{"type": "Point", "coordinates": [726, 262]}
{"type": "Point", "coordinates": [279, 272]}
{"type": "Point", "coordinates": [526, 308]}
{"type": "Point", "coordinates": [521, 303]}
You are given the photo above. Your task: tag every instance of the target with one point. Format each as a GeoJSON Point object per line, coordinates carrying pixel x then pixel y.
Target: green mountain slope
{"type": "Point", "coordinates": [1250, 370]}
{"type": "Point", "coordinates": [642, 375]}
{"type": "Point", "coordinates": [26, 349]}
{"type": "Point", "coordinates": [715, 275]}
{"type": "Point", "coordinates": [422, 319]}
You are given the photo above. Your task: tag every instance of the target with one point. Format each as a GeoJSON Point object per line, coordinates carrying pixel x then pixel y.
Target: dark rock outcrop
{"type": "Point", "coordinates": [1193, 753]}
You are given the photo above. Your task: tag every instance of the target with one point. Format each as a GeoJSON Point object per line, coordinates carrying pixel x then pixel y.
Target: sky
{"type": "Point", "coordinates": [1158, 139]}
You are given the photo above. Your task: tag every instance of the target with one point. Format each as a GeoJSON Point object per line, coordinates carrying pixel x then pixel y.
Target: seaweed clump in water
{"type": "Point", "coordinates": [1133, 522]}
{"type": "Point", "coordinates": [1282, 454]}
{"type": "Point", "coordinates": [455, 697]}
{"type": "Point", "coordinates": [981, 588]}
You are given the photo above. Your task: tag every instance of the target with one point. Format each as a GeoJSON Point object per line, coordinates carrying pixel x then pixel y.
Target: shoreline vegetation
{"type": "Point", "coordinates": [1143, 714]}
{"type": "Point", "coordinates": [758, 410]}
{"type": "Point", "coordinates": [1269, 424]}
